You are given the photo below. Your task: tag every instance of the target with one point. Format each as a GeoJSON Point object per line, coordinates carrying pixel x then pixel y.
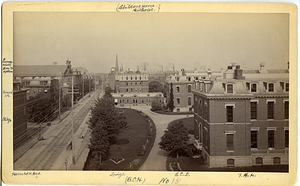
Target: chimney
{"type": "Point", "coordinates": [262, 68]}
{"type": "Point", "coordinates": [238, 73]}
{"type": "Point", "coordinates": [209, 72]}
{"type": "Point", "coordinates": [183, 72]}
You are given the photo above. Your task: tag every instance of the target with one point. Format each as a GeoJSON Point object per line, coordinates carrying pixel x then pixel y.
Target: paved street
{"type": "Point", "coordinates": [44, 154]}
{"type": "Point", "coordinates": [157, 158]}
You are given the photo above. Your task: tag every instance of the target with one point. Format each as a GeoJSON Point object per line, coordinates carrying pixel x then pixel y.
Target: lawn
{"type": "Point", "coordinates": [129, 144]}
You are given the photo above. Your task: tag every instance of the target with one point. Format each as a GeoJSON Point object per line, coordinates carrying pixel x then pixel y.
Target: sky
{"type": "Point", "coordinates": [185, 40]}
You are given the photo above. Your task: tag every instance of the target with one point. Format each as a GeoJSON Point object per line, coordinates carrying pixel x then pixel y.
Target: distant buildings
{"type": "Point", "coordinates": [242, 119]}
{"type": "Point", "coordinates": [131, 87]}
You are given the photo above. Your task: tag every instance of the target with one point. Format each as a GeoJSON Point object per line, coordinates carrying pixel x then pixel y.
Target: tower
{"type": "Point", "coordinates": [117, 66]}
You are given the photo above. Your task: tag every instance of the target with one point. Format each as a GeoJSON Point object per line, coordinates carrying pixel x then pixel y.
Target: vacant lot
{"type": "Point", "coordinates": [130, 144]}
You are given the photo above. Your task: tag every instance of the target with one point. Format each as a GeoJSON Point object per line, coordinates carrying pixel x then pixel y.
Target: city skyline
{"type": "Point", "coordinates": [185, 40]}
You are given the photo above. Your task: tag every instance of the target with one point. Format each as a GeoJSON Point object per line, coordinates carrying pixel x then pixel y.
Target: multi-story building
{"type": "Point", "coordinates": [19, 114]}
{"type": "Point", "coordinates": [135, 99]}
{"type": "Point", "coordinates": [132, 83]}
{"type": "Point", "coordinates": [182, 85]}
{"type": "Point", "coordinates": [242, 119]}
{"type": "Point", "coordinates": [42, 86]}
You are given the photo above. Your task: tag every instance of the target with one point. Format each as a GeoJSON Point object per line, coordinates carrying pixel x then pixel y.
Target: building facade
{"type": "Point", "coordinates": [182, 85]}
{"type": "Point", "coordinates": [137, 99]}
{"type": "Point", "coordinates": [132, 83]}
{"type": "Point", "coordinates": [242, 119]}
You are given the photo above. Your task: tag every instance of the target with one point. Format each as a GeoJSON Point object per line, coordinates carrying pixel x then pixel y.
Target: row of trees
{"type": "Point", "coordinates": [105, 123]}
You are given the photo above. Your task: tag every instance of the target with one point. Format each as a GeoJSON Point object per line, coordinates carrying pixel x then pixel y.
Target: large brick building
{"type": "Point", "coordinates": [242, 119]}
{"type": "Point", "coordinates": [182, 85]}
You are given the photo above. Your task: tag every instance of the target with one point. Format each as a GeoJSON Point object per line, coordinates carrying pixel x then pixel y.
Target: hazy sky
{"type": "Point", "coordinates": [187, 40]}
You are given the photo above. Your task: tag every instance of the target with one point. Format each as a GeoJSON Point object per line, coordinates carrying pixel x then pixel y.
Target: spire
{"type": "Point", "coordinates": [117, 66]}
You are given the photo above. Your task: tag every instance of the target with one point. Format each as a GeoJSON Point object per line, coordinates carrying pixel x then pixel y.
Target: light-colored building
{"type": "Point", "coordinates": [242, 119]}
{"type": "Point", "coordinates": [136, 99]}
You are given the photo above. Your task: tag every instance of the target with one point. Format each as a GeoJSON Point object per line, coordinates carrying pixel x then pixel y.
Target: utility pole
{"type": "Point", "coordinates": [73, 144]}
{"type": "Point", "coordinates": [83, 86]}
{"type": "Point", "coordinates": [59, 102]}
{"type": "Point", "coordinates": [89, 84]}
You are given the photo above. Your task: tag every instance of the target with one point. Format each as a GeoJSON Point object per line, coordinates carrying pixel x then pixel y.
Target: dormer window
{"type": "Point", "coordinates": [253, 87]}
{"type": "Point", "coordinates": [271, 87]}
{"type": "Point", "coordinates": [189, 78]}
{"type": "Point", "coordinates": [287, 87]}
{"type": "Point", "coordinates": [177, 78]}
{"type": "Point", "coordinates": [229, 88]}
{"type": "Point", "coordinates": [121, 95]}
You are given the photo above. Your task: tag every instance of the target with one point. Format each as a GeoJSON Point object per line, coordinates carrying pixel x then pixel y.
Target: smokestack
{"type": "Point", "coordinates": [238, 73]}
{"type": "Point", "coordinates": [183, 72]}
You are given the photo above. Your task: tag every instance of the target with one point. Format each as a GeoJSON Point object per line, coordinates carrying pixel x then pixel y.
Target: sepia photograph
{"type": "Point", "coordinates": [143, 90]}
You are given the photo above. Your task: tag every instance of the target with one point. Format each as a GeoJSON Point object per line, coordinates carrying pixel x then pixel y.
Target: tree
{"type": "Point", "coordinates": [170, 104]}
{"type": "Point", "coordinates": [155, 86]}
{"type": "Point", "coordinates": [99, 142]}
{"type": "Point", "coordinates": [104, 111]}
{"type": "Point", "coordinates": [107, 93]}
{"type": "Point", "coordinates": [155, 105]}
{"type": "Point", "coordinates": [175, 138]}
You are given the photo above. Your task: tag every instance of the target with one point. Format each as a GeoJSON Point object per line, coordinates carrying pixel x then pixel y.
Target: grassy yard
{"type": "Point", "coordinates": [129, 145]}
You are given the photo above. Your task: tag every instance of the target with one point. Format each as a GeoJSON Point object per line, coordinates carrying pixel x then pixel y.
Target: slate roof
{"type": "Point", "coordinates": [39, 70]}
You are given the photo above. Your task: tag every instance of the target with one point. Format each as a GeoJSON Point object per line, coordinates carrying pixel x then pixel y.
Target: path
{"type": "Point", "coordinates": [157, 158]}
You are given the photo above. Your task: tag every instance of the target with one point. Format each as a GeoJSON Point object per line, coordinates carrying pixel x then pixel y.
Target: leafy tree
{"type": "Point", "coordinates": [155, 105]}
{"type": "Point", "coordinates": [105, 112]}
{"type": "Point", "coordinates": [175, 138]}
{"type": "Point", "coordinates": [99, 142]}
{"type": "Point", "coordinates": [107, 93]}
{"type": "Point", "coordinates": [155, 86]}
{"type": "Point", "coordinates": [170, 104]}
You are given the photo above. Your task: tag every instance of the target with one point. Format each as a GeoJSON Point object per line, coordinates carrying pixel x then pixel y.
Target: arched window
{"type": "Point", "coordinates": [230, 162]}
{"type": "Point", "coordinates": [259, 161]}
{"type": "Point", "coordinates": [276, 161]}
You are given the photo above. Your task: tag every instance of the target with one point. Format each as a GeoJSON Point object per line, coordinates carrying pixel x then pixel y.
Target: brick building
{"type": "Point", "coordinates": [183, 84]}
{"type": "Point", "coordinates": [242, 119]}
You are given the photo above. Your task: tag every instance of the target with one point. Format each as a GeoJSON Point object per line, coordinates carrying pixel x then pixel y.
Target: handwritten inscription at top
{"type": "Point", "coordinates": [138, 8]}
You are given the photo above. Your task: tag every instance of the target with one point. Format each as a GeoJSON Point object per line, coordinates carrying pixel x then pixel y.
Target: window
{"type": "Point", "coordinates": [126, 78]}
{"type": "Point", "coordinates": [229, 113]}
{"type": "Point", "coordinates": [178, 109]}
{"type": "Point", "coordinates": [286, 134]}
{"type": "Point", "coordinates": [177, 89]}
{"type": "Point", "coordinates": [121, 95]}
{"type": "Point", "coordinates": [259, 161]}
{"type": "Point", "coordinates": [177, 78]}
{"type": "Point", "coordinates": [189, 88]}
{"type": "Point", "coordinates": [253, 87]}
{"type": "Point", "coordinates": [271, 138]}
{"type": "Point", "coordinates": [189, 101]}
{"type": "Point", "coordinates": [253, 110]}
{"type": "Point", "coordinates": [253, 139]}
{"type": "Point", "coordinates": [43, 82]}
{"type": "Point", "coordinates": [142, 101]}
{"type": "Point", "coordinates": [127, 90]}
{"type": "Point", "coordinates": [276, 161]}
{"type": "Point", "coordinates": [229, 141]}
{"type": "Point", "coordinates": [135, 83]}
{"type": "Point", "coordinates": [230, 88]}
{"type": "Point", "coordinates": [271, 87]}
{"type": "Point", "coordinates": [131, 78]}
{"type": "Point", "coordinates": [46, 91]}
{"type": "Point", "coordinates": [286, 110]}
{"type": "Point", "coordinates": [126, 84]}
{"type": "Point", "coordinates": [178, 101]}
{"type": "Point", "coordinates": [271, 110]}
{"type": "Point", "coordinates": [127, 100]}
{"type": "Point", "coordinates": [230, 163]}
{"type": "Point", "coordinates": [189, 78]}
{"type": "Point", "coordinates": [131, 90]}
{"type": "Point", "coordinates": [287, 87]}
{"type": "Point", "coordinates": [135, 78]}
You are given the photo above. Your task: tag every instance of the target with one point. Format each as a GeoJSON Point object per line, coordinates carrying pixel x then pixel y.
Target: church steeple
{"type": "Point", "coordinates": [117, 65]}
